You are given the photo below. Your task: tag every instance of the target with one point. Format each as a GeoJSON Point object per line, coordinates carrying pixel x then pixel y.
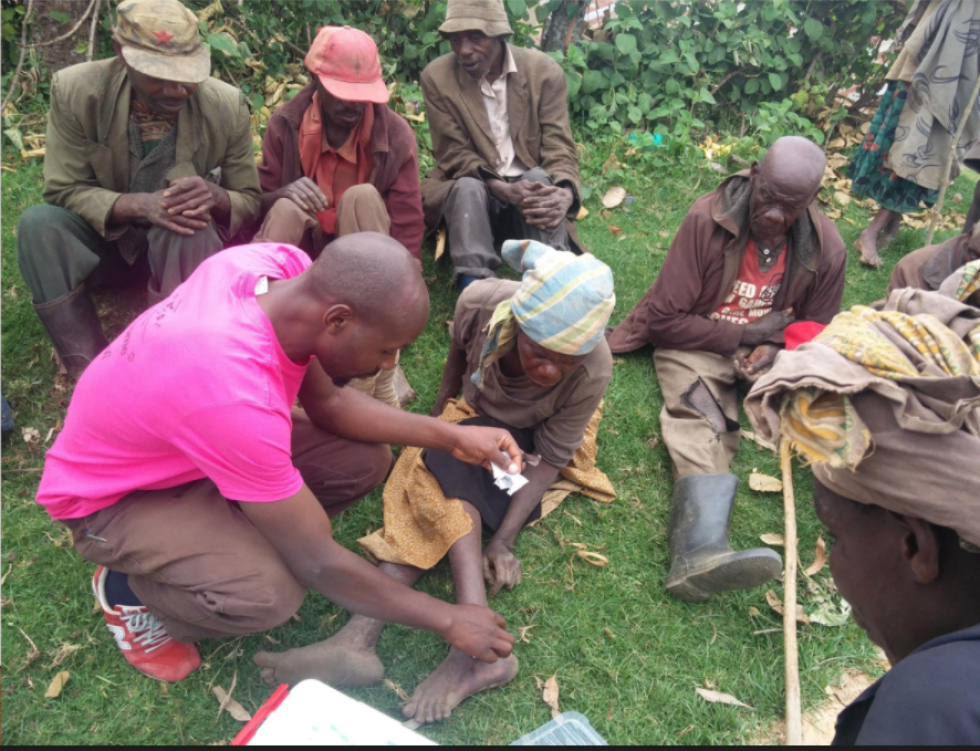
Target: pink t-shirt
{"type": "Point", "coordinates": [198, 386]}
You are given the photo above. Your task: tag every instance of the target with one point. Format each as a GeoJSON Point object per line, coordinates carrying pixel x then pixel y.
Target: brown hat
{"type": "Point", "coordinates": [487, 16]}
{"type": "Point", "coordinates": [160, 38]}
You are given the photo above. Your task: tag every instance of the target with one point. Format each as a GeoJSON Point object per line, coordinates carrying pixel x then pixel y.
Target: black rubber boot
{"type": "Point", "coordinates": [701, 561]}
{"type": "Point", "coordinates": [74, 328]}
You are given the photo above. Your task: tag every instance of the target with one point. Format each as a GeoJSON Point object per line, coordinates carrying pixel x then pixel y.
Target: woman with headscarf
{"type": "Point", "coordinates": [885, 406]}
{"type": "Point", "coordinates": [900, 164]}
{"type": "Point", "coordinates": [528, 356]}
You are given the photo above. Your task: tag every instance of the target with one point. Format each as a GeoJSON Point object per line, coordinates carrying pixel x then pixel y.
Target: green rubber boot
{"type": "Point", "coordinates": [701, 561]}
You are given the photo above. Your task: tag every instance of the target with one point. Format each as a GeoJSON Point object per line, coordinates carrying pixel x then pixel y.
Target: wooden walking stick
{"type": "Point", "coordinates": [794, 712]}
{"type": "Point", "coordinates": [948, 163]}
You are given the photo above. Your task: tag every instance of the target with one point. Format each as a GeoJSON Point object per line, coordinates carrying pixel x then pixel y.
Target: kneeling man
{"type": "Point", "coordinates": [186, 473]}
{"type": "Point", "coordinates": [530, 358]}
{"type": "Point", "coordinates": [749, 259]}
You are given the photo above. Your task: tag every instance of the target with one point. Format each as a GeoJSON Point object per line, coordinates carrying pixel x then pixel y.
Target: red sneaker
{"type": "Point", "coordinates": [143, 640]}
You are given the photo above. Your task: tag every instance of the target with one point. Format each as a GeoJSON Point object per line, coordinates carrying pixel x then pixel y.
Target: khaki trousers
{"type": "Point", "coordinates": [195, 560]}
{"type": "Point", "coordinates": [698, 444]}
{"type": "Point", "coordinates": [361, 209]}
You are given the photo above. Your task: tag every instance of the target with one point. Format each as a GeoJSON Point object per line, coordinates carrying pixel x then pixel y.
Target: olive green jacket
{"type": "Point", "coordinates": [86, 164]}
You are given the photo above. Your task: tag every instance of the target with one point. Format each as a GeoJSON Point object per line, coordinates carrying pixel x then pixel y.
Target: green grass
{"type": "Point", "coordinates": [626, 655]}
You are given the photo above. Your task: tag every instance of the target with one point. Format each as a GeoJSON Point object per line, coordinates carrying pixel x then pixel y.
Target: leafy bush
{"type": "Point", "coordinates": [672, 66]}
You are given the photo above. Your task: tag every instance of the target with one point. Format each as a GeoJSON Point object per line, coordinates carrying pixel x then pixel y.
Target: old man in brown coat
{"type": "Point", "coordinates": [506, 162]}
{"type": "Point", "coordinates": [750, 258]}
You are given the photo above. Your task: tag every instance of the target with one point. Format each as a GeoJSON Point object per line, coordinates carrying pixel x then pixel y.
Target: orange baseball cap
{"type": "Point", "coordinates": [346, 62]}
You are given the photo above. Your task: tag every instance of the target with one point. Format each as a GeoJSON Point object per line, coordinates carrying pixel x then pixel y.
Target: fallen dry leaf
{"type": "Point", "coordinates": [715, 697]}
{"type": "Point", "coordinates": [615, 230]}
{"type": "Point", "coordinates": [842, 198]}
{"type": "Point", "coordinates": [523, 634]}
{"type": "Point", "coordinates": [551, 696]}
{"type": "Point", "coordinates": [754, 612]}
{"type": "Point", "coordinates": [399, 691]}
{"type": "Point", "coordinates": [774, 540]}
{"type": "Point", "coordinates": [582, 213]}
{"type": "Point", "coordinates": [777, 605]}
{"type": "Point", "coordinates": [63, 653]}
{"type": "Point", "coordinates": [54, 690]}
{"type": "Point", "coordinates": [229, 705]}
{"type": "Point", "coordinates": [685, 731]}
{"type": "Point", "coordinates": [653, 443]}
{"type": "Point", "coordinates": [31, 435]}
{"type": "Point", "coordinates": [614, 197]}
{"type": "Point", "coordinates": [764, 483]}
{"type": "Point", "coordinates": [594, 558]}
{"type": "Point", "coordinates": [820, 560]}
{"type": "Point", "coordinates": [664, 233]}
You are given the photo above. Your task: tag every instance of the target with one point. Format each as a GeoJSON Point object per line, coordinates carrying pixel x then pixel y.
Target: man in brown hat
{"type": "Point", "coordinates": [130, 142]}
{"type": "Point", "coordinates": [506, 162]}
{"type": "Point", "coordinates": [337, 160]}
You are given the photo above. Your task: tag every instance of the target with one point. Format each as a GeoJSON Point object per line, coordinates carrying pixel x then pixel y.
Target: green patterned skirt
{"type": "Point", "coordinates": [867, 171]}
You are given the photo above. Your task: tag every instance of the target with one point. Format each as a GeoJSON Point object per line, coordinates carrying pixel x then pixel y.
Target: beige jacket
{"type": "Point", "coordinates": [537, 103]}
{"type": "Point", "coordinates": [86, 165]}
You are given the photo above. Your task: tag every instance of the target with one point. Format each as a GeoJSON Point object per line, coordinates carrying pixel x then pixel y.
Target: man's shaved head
{"type": "Point", "coordinates": [794, 164]}
{"type": "Point", "coordinates": [783, 185]}
{"type": "Point", "coordinates": [374, 275]}
{"type": "Point", "coordinates": [373, 303]}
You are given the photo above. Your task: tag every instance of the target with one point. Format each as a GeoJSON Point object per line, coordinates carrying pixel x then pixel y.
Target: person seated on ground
{"type": "Point", "coordinates": [337, 160]}
{"type": "Point", "coordinates": [506, 162]}
{"type": "Point", "coordinates": [130, 143]}
{"type": "Point", "coordinates": [205, 496]}
{"type": "Point", "coordinates": [927, 268]}
{"type": "Point", "coordinates": [891, 430]}
{"type": "Point", "coordinates": [529, 357]}
{"type": "Point", "coordinates": [750, 258]}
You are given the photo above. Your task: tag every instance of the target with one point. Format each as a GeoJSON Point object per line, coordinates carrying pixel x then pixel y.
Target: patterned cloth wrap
{"type": "Point", "coordinates": [421, 524]}
{"type": "Point", "coordinates": [564, 303]}
{"type": "Point", "coordinates": [886, 405]}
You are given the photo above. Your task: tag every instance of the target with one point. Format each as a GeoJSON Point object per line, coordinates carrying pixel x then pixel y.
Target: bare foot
{"type": "Point", "coordinates": [340, 662]}
{"type": "Point", "coordinates": [458, 678]}
{"type": "Point", "coordinates": [866, 244]}
{"type": "Point", "coordinates": [890, 231]}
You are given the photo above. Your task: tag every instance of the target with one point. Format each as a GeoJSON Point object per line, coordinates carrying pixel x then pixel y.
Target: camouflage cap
{"type": "Point", "coordinates": [160, 38]}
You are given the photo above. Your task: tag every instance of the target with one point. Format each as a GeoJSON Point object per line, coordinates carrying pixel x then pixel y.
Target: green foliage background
{"type": "Point", "coordinates": [680, 68]}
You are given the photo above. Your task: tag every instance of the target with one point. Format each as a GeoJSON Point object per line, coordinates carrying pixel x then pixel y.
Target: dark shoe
{"type": "Point", "coordinates": [465, 281]}
{"type": "Point", "coordinates": [701, 561]}
{"type": "Point", "coordinates": [74, 328]}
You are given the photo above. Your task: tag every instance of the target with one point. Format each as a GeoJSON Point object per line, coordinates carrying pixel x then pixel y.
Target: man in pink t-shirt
{"type": "Point", "coordinates": [188, 473]}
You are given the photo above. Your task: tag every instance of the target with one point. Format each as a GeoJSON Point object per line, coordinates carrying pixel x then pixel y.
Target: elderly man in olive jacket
{"type": "Point", "coordinates": [130, 143]}
{"type": "Point", "coordinates": [506, 162]}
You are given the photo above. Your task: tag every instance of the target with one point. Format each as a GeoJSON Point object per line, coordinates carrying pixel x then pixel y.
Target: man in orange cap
{"type": "Point", "coordinates": [337, 160]}
{"type": "Point", "coordinates": [131, 142]}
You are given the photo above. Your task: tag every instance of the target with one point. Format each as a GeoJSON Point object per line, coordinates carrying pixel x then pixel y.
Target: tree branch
{"type": "Point", "coordinates": [71, 33]}
{"type": "Point", "coordinates": [20, 60]}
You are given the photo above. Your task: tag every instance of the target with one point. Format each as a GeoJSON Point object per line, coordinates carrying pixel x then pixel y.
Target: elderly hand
{"type": "Point", "coordinates": [153, 208]}
{"type": "Point", "coordinates": [501, 569]}
{"type": "Point", "coordinates": [545, 206]}
{"type": "Point", "coordinates": [755, 333]}
{"type": "Point", "coordinates": [306, 194]}
{"type": "Point", "coordinates": [190, 197]}
{"type": "Point", "coordinates": [750, 364]}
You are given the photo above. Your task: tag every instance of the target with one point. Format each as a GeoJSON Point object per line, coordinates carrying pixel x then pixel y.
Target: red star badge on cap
{"type": "Point", "coordinates": [163, 37]}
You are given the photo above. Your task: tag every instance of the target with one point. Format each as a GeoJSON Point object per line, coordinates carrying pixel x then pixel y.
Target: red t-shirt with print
{"type": "Point", "coordinates": [753, 293]}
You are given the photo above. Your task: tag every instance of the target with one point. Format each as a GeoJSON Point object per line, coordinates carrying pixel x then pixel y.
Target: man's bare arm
{"type": "Point", "coordinates": [300, 531]}
{"type": "Point", "coordinates": [350, 414]}
{"type": "Point", "coordinates": [501, 569]}
{"type": "Point", "coordinates": [452, 379]}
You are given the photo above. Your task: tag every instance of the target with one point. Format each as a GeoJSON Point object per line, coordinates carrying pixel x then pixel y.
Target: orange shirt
{"type": "Point", "coordinates": [754, 291]}
{"type": "Point", "coordinates": [334, 170]}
